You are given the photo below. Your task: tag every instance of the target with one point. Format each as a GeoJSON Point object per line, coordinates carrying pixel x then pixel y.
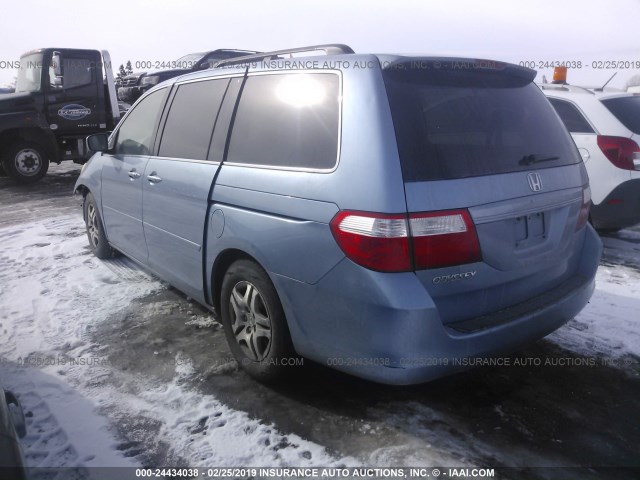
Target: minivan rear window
{"type": "Point", "coordinates": [453, 123]}
{"type": "Point", "coordinates": [627, 110]}
{"type": "Point", "coordinates": [287, 120]}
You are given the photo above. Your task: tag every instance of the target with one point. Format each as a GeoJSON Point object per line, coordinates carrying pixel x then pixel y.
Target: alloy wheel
{"type": "Point", "coordinates": [250, 322]}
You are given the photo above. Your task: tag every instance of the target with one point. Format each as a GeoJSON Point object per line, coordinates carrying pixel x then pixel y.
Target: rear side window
{"type": "Point", "coordinates": [464, 123]}
{"type": "Point", "coordinates": [192, 116]}
{"type": "Point", "coordinates": [137, 132]}
{"type": "Point", "coordinates": [627, 110]}
{"type": "Point", "coordinates": [287, 120]}
{"type": "Point", "coordinates": [571, 116]}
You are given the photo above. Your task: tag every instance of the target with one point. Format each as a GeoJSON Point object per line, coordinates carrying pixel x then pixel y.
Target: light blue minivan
{"type": "Point", "coordinates": [388, 216]}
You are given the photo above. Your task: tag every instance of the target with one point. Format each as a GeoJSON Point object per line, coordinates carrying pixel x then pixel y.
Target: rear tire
{"type": "Point", "coordinates": [95, 230]}
{"type": "Point", "coordinates": [26, 162]}
{"type": "Point", "coordinates": [254, 323]}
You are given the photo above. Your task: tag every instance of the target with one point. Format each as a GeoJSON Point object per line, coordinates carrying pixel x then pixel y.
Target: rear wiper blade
{"type": "Point", "coordinates": [536, 158]}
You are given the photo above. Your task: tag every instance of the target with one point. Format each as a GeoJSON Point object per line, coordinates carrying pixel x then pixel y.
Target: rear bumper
{"type": "Point", "coordinates": [621, 208]}
{"type": "Point", "coordinates": [385, 328]}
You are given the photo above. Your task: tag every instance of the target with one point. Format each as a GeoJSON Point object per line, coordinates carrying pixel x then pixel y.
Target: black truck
{"type": "Point", "coordinates": [62, 95]}
{"type": "Point", "coordinates": [134, 85]}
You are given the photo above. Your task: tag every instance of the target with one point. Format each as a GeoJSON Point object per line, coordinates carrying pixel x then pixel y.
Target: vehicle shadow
{"type": "Point", "coordinates": [548, 407]}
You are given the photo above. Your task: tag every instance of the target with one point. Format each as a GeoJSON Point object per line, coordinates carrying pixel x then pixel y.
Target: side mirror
{"type": "Point", "coordinates": [56, 62]}
{"type": "Point", "coordinates": [98, 142]}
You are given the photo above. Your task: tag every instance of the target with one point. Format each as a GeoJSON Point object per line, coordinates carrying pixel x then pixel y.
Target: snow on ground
{"type": "Point", "coordinates": [53, 293]}
{"type": "Point", "coordinates": [206, 433]}
{"type": "Point", "coordinates": [609, 326]}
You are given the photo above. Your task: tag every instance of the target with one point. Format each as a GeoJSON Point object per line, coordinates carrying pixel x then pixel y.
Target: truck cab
{"type": "Point", "coordinates": [61, 96]}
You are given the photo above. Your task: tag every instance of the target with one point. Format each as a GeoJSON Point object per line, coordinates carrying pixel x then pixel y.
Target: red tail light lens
{"type": "Point", "coordinates": [397, 243]}
{"type": "Point", "coordinates": [376, 241]}
{"type": "Point", "coordinates": [583, 216]}
{"type": "Point", "coordinates": [443, 239]}
{"type": "Point", "coordinates": [620, 151]}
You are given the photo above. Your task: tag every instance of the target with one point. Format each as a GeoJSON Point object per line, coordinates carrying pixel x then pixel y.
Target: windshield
{"type": "Point", "coordinates": [627, 110]}
{"type": "Point", "coordinates": [464, 123]}
{"type": "Point", "coordinates": [29, 73]}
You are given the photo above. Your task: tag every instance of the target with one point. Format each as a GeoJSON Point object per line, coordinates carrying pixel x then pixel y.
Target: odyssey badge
{"type": "Point", "coordinates": [454, 277]}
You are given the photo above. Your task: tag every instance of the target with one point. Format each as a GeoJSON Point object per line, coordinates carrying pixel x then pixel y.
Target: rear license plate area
{"type": "Point", "coordinates": [529, 229]}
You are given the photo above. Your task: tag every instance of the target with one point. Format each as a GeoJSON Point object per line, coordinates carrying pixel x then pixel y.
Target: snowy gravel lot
{"type": "Point", "coordinates": [115, 368]}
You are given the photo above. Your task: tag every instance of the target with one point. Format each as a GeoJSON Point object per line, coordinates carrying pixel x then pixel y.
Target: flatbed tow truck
{"type": "Point", "coordinates": [62, 95]}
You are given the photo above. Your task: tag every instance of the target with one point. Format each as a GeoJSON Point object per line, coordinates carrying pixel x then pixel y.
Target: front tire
{"type": "Point", "coordinates": [254, 323]}
{"type": "Point", "coordinates": [95, 230]}
{"type": "Point", "coordinates": [25, 162]}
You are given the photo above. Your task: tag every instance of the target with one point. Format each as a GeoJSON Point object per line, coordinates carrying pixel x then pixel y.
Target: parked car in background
{"type": "Point", "coordinates": [133, 86]}
{"type": "Point", "coordinates": [605, 127]}
{"type": "Point", "coordinates": [4, 90]}
{"type": "Point", "coordinates": [123, 107]}
{"type": "Point", "coordinates": [12, 427]}
{"type": "Point", "coordinates": [388, 221]}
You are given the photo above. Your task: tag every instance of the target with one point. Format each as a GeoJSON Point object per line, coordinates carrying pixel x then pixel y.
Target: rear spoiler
{"type": "Point", "coordinates": [458, 64]}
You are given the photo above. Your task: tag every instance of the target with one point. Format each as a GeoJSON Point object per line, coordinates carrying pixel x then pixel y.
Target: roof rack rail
{"type": "Point", "coordinates": [328, 49]}
{"type": "Point", "coordinates": [565, 86]}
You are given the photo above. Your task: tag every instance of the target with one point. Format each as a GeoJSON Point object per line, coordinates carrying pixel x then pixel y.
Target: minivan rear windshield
{"type": "Point", "coordinates": [627, 110]}
{"type": "Point", "coordinates": [455, 123]}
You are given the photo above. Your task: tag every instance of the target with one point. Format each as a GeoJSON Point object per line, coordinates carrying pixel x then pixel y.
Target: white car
{"type": "Point", "coordinates": [606, 129]}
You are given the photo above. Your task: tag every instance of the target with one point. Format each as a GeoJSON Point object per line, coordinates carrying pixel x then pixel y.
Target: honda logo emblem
{"type": "Point", "coordinates": [535, 183]}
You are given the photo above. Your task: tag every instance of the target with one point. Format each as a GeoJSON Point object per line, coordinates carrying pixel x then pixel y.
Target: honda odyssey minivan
{"type": "Point", "coordinates": [387, 216]}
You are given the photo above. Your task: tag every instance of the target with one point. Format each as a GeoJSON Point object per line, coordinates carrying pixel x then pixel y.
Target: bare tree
{"type": "Point", "coordinates": [121, 73]}
{"type": "Point", "coordinates": [633, 81]}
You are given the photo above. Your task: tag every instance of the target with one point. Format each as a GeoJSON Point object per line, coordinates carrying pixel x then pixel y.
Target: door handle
{"type": "Point", "coordinates": [134, 174]}
{"type": "Point", "coordinates": [154, 178]}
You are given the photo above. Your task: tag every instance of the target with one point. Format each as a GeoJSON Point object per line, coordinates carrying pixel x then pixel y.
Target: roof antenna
{"type": "Point", "coordinates": [601, 89]}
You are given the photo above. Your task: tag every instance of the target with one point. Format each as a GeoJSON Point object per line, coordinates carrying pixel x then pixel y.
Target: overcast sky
{"type": "Point", "coordinates": [155, 30]}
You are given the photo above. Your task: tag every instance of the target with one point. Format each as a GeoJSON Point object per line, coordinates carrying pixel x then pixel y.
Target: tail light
{"type": "Point", "coordinates": [401, 243]}
{"type": "Point", "coordinates": [583, 216]}
{"type": "Point", "coordinates": [621, 151]}
{"type": "Point", "coordinates": [376, 241]}
{"type": "Point", "coordinates": [444, 239]}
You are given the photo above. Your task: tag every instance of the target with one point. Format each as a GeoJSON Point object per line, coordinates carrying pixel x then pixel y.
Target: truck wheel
{"type": "Point", "coordinates": [254, 323]}
{"type": "Point", "coordinates": [26, 162]}
{"type": "Point", "coordinates": [95, 231]}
